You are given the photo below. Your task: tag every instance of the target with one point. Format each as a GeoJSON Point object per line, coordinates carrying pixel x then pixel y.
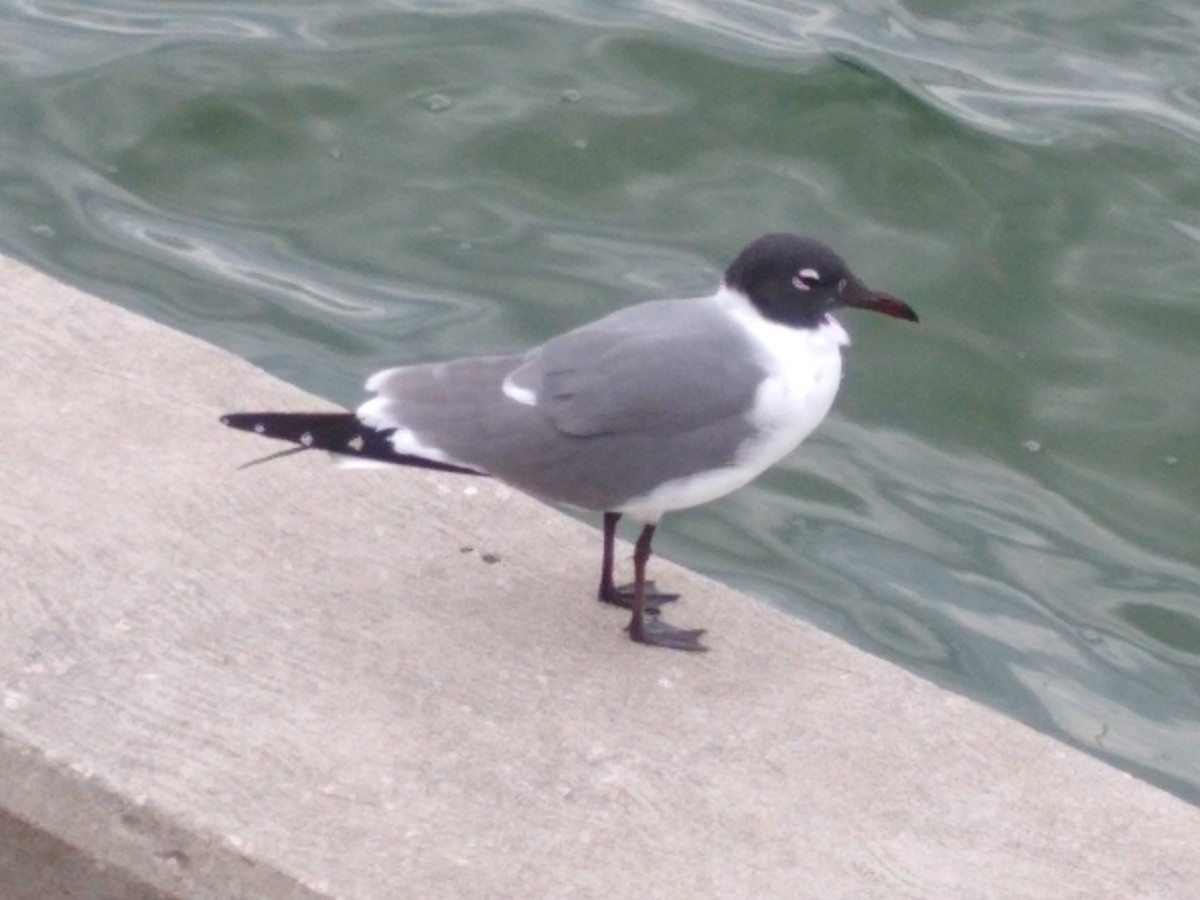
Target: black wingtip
{"type": "Point", "coordinates": [252, 421]}
{"type": "Point", "coordinates": [340, 433]}
{"type": "Point", "coordinates": [240, 421]}
{"type": "Point", "coordinates": [299, 428]}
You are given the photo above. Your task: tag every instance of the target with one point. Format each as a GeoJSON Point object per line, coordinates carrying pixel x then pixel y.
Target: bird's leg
{"type": "Point", "coordinates": [623, 596]}
{"type": "Point", "coordinates": [653, 630]}
{"type": "Point", "coordinates": [608, 591]}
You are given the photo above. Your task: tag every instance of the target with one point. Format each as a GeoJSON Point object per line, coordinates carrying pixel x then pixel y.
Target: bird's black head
{"type": "Point", "coordinates": [797, 281]}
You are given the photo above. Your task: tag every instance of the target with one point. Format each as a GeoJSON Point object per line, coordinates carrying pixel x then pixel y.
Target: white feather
{"type": "Point", "coordinates": [521, 395]}
{"type": "Point", "coordinates": [804, 369]}
{"type": "Point", "coordinates": [379, 413]}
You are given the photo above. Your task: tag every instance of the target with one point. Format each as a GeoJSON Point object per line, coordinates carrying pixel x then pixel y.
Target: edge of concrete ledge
{"type": "Point", "coordinates": [295, 682]}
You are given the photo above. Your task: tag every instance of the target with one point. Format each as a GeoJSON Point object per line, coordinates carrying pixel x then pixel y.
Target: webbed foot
{"type": "Point", "coordinates": [623, 596]}
{"type": "Point", "coordinates": [656, 633]}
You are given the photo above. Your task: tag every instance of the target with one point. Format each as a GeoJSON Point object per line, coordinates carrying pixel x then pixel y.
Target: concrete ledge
{"type": "Point", "coordinates": [298, 682]}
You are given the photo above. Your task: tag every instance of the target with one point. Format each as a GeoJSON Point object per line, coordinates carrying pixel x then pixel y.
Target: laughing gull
{"type": "Point", "coordinates": [653, 408]}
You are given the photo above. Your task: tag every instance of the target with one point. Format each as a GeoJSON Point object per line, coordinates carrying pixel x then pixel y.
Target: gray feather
{"type": "Point", "coordinates": [646, 395]}
{"type": "Point", "coordinates": [660, 368]}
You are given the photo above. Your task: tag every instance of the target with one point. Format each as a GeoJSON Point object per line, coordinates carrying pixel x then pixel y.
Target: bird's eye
{"type": "Point", "coordinates": [806, 279]}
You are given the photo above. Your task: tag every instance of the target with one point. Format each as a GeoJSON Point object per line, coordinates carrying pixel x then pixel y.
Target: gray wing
{"type": "Point", "coordinates": [659, 368]}
{"type": "Point", "coordinates": [595, 417]}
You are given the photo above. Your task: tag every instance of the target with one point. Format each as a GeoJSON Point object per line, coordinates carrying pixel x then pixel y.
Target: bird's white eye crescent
{"type": "Point", "coordinates": [806, 279]}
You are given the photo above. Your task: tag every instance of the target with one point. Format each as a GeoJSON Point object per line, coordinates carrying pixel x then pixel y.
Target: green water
{"type": "Point", "coordinates": [1005, 498]}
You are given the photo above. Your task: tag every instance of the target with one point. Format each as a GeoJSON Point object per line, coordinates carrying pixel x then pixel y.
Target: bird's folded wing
{"type": "Point", "coordinates": [652, 369]}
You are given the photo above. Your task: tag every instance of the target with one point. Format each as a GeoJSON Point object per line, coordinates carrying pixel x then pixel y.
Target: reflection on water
{"type": "Point", "coordinates": [947, 545]}
{"type": "Point", "coordinates": [1005, 498]}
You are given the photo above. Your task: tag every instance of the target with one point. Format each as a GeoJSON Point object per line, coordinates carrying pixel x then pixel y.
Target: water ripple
{"type": "Point", "coordinates": [330, 188]}
{"type": "Point", "coordinates": [53, 37]}
{"type": "Point", "coordinates": [964, 567]}
{"type": "Point", "coordinates": [192, 24]}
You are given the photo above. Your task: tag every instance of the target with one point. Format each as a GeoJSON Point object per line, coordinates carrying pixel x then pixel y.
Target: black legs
{"type": "Point", "coordinates": [642, 597]}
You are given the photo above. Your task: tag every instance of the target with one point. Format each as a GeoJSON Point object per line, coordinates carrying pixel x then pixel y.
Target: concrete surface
{"type": "Point", "coordinates": [34, 865]}
{"type": "Point", "coordinates": [299, 682]}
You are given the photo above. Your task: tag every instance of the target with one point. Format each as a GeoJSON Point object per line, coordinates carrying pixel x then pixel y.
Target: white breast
{"type": "Point", "coordinates": [804, 367]}
{"type": "Point", "coordinates": [806, 371]}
